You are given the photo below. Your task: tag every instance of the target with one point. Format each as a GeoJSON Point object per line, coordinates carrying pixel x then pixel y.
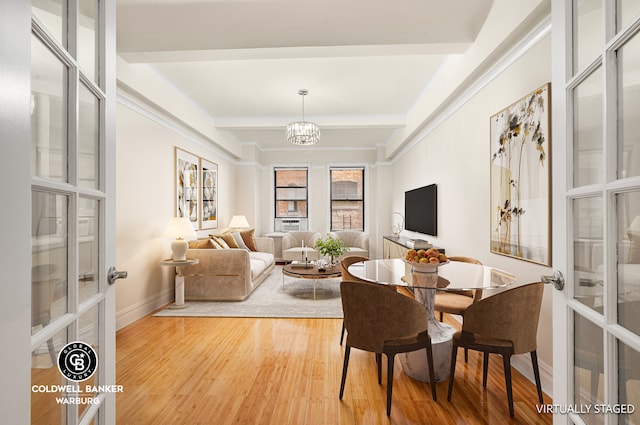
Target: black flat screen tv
{"type": "Point", "coordinates": [421, 210]}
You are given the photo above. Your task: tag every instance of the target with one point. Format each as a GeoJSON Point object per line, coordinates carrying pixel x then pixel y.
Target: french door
{"type": "Point", "coordinates": [596, 201]}
{"type": "Point", "coordinates": [59, 190]}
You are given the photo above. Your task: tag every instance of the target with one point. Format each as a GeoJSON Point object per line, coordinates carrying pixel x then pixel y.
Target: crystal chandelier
{"type": "Point", "coordinates": [303, 132]}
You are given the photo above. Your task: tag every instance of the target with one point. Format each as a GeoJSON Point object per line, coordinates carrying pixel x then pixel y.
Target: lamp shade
{"type": "Point", "coordinates": [179, 228]}
{"type": "Point", "coordinates": [239, 222]}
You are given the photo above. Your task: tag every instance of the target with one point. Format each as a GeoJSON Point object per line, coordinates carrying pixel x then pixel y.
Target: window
{"type": "Point", "coordinates": [347, 198]}
{"type": "Point", "coordinates": [292, 195]}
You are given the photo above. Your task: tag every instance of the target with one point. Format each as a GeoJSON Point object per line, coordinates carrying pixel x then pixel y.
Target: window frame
{"type": "Point", "coordinates": [276, 187]}
{"type": "Point", "coordinates": [362, 197]}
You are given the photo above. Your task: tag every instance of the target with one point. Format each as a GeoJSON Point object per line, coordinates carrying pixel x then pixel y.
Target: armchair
{"type": "Point", "coordinates": [293, 241]}
{"type": "Point", "coordinates": [355, 240]}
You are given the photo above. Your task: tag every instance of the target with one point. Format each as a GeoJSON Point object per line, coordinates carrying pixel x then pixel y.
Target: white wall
{"type": "Point", "coordinates": [456, 155]}
{"type": "Point", "coordinates": [145, 143]}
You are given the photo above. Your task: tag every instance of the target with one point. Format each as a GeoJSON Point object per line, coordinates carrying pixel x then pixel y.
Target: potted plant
{"type": "Point", "coordinates": [331, 247]}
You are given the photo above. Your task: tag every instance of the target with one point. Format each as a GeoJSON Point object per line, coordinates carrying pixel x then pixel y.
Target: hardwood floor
{"type": "Point", "coordinates": [188, 371]}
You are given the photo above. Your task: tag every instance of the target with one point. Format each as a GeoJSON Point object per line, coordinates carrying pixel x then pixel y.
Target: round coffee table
{"type": "Point", "coordinates": [310, 272]}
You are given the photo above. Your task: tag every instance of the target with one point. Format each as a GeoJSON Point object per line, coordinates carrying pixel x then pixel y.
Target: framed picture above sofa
{"type": "Point", "coordinates": [187, 186]}
{"type": "Point", "coordinates": [196, 189]}
{"type": "Point", "coordinates": [209, 194]}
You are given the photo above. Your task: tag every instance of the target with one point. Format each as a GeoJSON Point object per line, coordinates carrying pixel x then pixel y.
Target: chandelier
{"type": "Point", "coordinates": [303, 132]}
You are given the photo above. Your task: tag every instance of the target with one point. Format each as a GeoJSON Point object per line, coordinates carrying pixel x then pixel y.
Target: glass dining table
{"type": "Point", "coordinates": [424, 281]}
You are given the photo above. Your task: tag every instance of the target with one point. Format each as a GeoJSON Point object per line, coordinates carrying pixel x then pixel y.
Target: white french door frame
{"type": "Point", "coordinates": [564, 303]}
{"type": "Point", "coordinates": [16, 186]}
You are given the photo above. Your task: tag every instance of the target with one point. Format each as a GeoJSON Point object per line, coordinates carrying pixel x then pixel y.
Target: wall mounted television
{"type": "Point", "coordinates": [421, 210]}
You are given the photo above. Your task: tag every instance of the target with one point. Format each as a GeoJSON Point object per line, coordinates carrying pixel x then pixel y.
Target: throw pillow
{"type": "Point", "coordinates": [249, 239]}
{"type": "Point", "coordinates": [239, 241]}
{"type": "Point", "coordinates": [228, 238]}
{"type": "Point", "coordinates": [201, 244]}
{"type": "Point", "coordinates": [215, 243]}
{"type": "Point", "coordinates": [223, 244]}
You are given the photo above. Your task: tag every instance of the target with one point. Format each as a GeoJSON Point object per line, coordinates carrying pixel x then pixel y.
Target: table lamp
{"type": "Point", "coordinates": [239, 222]}
{"type": "Point", "coordinates": [180, 228]}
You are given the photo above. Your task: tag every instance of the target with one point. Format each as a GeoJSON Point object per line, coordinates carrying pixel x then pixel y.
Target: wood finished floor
{"type": "Point", "coordinates": [192, 371]}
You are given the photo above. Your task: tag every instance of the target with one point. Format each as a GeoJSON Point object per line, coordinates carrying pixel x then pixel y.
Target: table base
{"type": "Point", "coordinates": [414, 364]}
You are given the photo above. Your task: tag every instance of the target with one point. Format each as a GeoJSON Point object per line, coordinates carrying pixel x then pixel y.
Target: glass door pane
{"type": "Point", "coordinates": [588, 374]}
{"type": "Point", "coordinates": [53, 15]}
{"type": "Point", "coordinates": [88, 139]}
{"type": "Point", "coordinates": [588, 131]}
{"type": "Point", "coordinates": [588, 32]}
{"type": "Point", "coordinates": [88, 38]}
{"type": "Point", "coordinates": [628, 107]}
{"type": "Point", "coordinates": [48, 113]}
{"type": "Point", "coordinates": [588, 224]}
{"type": "Point", "coordinates": [50, 256]}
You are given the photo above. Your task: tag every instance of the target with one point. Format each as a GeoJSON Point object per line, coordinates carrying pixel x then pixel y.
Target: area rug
{"type": "Point", "coordinates": [271, 299]}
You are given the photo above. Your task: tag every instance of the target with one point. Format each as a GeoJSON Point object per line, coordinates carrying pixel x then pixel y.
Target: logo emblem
{"type": "Point", "coordinates": [77, 361]}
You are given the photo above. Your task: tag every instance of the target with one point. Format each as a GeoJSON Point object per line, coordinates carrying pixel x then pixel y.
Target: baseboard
{"type": "Point", "coordinates": [522, 363]}
{"type": "Point", "coordinates": [137, 311]}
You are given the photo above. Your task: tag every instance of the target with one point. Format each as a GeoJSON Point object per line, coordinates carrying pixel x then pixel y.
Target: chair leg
{"type": "Point", "coordinates": [452, 369]}
{"type": "Point", "coordinates": [432, 373]}
{"type": "Point", "coordinates": [441, 316]}
{"type": "Point", "coordinates": [466, 355]}
{"type": "Point", "coordinates": [379, 364]}
{"type": "Point", "coordinates": [536, 374]}
{"type": "Point", "coordinates": [342, 333]}
{"type": "Point", "coordinates": [506, 360]}
{"type": "Point", "coordinates": [390, 358]}
{"type": "Point", "coordinates": [347, 351]}
{"type": "Point", "coordinates": [485, 368]}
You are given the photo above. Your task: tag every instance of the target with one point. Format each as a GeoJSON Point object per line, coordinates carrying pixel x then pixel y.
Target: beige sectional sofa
{"type": "Point", "coordinates": [227, 274]}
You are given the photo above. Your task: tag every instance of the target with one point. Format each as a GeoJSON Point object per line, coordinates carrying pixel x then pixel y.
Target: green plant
{"type": "Point", "coordinates": [331, 247]}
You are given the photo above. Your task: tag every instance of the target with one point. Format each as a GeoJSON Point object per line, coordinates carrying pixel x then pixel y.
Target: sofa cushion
{"type": "Point", "coordinates": [248, 236]}
{"type": "Point", "coordinates": [264, 257]}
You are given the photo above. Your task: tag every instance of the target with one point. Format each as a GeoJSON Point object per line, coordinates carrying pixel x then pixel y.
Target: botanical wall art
{"type": "Point", "coordinates": [196, 190]}
{"type": "Point", "coordinates": [209, 194]}
{"type": "Point", "coordinates": [520, 179]}
{"type": "Point", "coordinates": [187, 186]}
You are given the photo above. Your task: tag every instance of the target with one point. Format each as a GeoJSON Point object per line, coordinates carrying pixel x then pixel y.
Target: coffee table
{"type": "Point", "coordinates": [312, 272]}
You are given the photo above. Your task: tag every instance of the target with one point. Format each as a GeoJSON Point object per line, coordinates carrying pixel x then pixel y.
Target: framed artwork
{"type": "Point", "coordinates": [209, 194]}
{"type": "Point", "coordinates": [521, 179]}
{"type": "Point", "coordinates": [187, 186]}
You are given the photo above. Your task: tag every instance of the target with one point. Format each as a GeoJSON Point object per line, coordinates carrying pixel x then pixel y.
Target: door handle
{"type": "Point", "coordinates": [557, 280]}
{"type": "Point", "coordinates": [113, 275]}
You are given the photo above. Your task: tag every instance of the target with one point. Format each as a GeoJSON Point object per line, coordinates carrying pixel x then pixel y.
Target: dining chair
{"type": "Point", "coordinates": [505, 323]}
{"type": "Point", "coordinates": [383, 322]}
{"type": "Point", "coordinates": [345, 262]}
{"type": "Point", "coordinates": [457, 301]}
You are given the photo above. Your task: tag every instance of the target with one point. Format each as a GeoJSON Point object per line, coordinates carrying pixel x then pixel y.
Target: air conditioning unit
{"type": "Point", "coordinates": [290, 224]}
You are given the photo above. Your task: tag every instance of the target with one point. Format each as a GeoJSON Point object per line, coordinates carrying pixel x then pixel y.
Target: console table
{"type": "Point", "coordinates": [397, 247]}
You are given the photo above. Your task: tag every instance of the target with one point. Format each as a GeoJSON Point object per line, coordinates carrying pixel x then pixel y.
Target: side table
{"type": "Point", "coordinates": [179, 279]}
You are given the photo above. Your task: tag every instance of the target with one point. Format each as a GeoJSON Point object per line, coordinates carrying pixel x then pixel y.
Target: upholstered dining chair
{"type": "Point", "coordinates": [505, 323]}
{"type": "Point", "coordinates": [345, 262]}
{"type": "Point", "coordinates": [456, 302]}
{"type": "Point", "coordinates": [382, 321]}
